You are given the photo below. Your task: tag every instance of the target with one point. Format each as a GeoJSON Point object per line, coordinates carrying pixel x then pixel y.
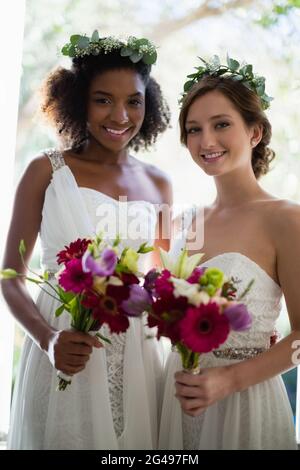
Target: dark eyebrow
{"type": "Point", "coordinates": [217, 116]}
{"type": "Point", "coordinates": [100, 92]}
{"type": "Point", "coordinates": [137, 94]}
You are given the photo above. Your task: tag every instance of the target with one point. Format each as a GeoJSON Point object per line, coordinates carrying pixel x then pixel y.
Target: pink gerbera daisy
{"type": "Point", "coordinates": [203, 328]}
{"type": "Point", "coordinates": [74, 279]}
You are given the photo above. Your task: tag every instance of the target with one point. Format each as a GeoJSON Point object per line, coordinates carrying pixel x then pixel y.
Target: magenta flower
{"type": "Point", "coordinates": [138, 302]}
{"type": "Point", "coordinates": [195, 276]}
{"type": "Point", "coordinates": [129, 278]}
{"type": "Point", "coordinates": [103, 266]}
{"type": "Point", "coordinates": [204, 328]}
{"type": "Point", "coordinates": [239, 317]}
{"type": "Point", "coordinates": [163, 286]}
{"type": "Point", "coordinates": [74, 279]}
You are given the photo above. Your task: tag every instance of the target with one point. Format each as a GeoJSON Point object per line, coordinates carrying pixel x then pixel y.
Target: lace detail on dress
{"type": "Point", "coordinates": [263, 300]}
{"type": "Point", "coordinates": [115, 362]}
{"type": "Point", "coordinates": [56, 159]}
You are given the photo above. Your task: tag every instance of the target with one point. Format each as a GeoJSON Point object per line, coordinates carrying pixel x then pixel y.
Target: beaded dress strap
{"type": "Point", "coordinates": [56, 159]}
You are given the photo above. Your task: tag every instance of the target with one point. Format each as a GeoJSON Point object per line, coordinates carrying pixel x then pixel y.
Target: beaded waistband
{"type": "Point", "coordinates": [234, 353]}
{"type": "Point", "coordinates": [238, 353]}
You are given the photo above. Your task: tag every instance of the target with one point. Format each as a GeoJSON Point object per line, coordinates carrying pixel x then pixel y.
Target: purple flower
{"type": "Point", "coordinates": [139, 300]}
{"type": "Point", "coordinates": [150, 278]}
{"type": "Point", "coordinates": [103, 266]}
{"type": "Point", "coordinates": [239, 317]}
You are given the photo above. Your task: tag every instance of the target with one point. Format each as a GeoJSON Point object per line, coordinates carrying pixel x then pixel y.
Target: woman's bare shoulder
{"type": "Point", "coordinates": [38, 171]}
{"type": "Point", "coordinates": [278, 208]}
{"type": "Point", "coordinates": [158, 176]}
{"type": "Point", "coordinates": [41, 160]}
{"type": "Point", "coordinates": [161, 181]}
{"type": "Point", "coordinates": [283, 219]}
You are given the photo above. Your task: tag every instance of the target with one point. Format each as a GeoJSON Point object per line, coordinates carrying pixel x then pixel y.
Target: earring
{"type": "Point", "coordinates": [252, 142]}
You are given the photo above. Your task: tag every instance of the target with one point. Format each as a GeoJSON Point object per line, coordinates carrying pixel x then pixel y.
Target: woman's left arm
{"type": "Point", "coordinates": [196, 393]}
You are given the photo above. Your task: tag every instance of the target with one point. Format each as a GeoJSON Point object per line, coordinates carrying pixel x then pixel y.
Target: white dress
{"type": "Point", "coordinates": [257, 418]}
{"type": "Point", "coordinates": [113, 403]}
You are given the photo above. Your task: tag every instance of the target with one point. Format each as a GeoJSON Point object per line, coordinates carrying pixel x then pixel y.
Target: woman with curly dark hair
{"type": "Point", "coordinates": [238, 400]}
{"type": "Point", "coordinates": [105, 104]}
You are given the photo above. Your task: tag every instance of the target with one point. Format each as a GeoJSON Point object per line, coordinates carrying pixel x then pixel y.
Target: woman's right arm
{"type": "Point", "coordinates": [67, 351]}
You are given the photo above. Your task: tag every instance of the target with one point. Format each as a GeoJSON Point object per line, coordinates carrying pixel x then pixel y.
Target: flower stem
{"type": "Point", "coordinates": [62, 384]}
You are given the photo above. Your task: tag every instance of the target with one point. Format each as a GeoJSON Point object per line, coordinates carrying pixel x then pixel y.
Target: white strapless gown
{"type": "Point", "coordinates": [257, 418]}
{"type": "Point", "coordinates": [114, 402]}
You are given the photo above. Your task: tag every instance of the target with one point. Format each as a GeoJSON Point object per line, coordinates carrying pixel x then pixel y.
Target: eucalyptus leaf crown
{"type": "Point", "coordinates": [238, 72]}
{"type": "Point", "coordinates": [135, 49]}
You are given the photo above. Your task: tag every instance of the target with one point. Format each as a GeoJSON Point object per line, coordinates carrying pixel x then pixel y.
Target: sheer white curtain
{"type": "Point", "coordinates": [12, 16]}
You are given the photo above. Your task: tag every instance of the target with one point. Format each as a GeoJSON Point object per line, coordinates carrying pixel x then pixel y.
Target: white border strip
{"type": "Point", "coordinates": [11, 39]}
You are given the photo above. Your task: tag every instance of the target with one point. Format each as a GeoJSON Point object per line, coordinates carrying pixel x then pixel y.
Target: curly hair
{"type": "Point", "coordinates": [249, 106]}
{"type": "Point", "coordinates": [65, 96]}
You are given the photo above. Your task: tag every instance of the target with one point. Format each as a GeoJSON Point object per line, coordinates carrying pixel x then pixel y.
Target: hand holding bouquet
{"type": "Point", "coordinates": [98, 284]}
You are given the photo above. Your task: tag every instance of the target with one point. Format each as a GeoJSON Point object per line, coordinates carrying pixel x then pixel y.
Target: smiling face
{"type": "Point", "coordinates": [217, 136]}
{"type": "Point", "coordinates": [116, 108]}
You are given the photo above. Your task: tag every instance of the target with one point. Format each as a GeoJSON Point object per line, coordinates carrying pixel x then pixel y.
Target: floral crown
{"type": "Point", "coordinates": [239, 72]}
{"type": "Point", "coordinates": [135, 49]}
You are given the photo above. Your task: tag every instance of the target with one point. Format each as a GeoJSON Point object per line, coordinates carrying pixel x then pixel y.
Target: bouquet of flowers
{"type": "Point", "coordinates": [195, 307]}
{"type": "Point", "coordinates": [98, 283]}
